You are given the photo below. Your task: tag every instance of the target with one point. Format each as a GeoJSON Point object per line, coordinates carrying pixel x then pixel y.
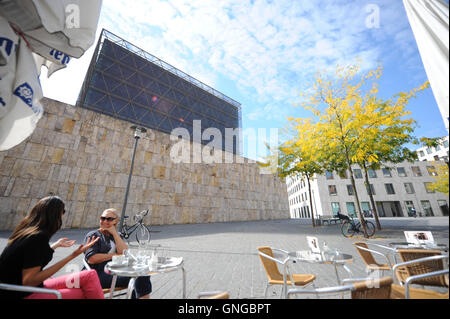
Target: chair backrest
{"type": "Point", "coordinates": [425, 266]}
{"type": "Point", "coordinates": [85, 264]}
{"type": "Point", "coordinates": [366, 256]}
{"type": "Point", "coordinates": [223, 295]}
{"type": "Point", "coordinates": [373, 289]}
{"type": "Point", "coordinates": [270, 266]}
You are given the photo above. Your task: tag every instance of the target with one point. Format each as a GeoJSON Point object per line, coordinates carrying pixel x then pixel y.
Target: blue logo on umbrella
{"type": "Point", "coordinates": [25, 92]}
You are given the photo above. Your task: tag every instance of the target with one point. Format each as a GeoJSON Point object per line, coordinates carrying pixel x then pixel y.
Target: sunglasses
{"type": "Point", "coordinates": [110, 219]}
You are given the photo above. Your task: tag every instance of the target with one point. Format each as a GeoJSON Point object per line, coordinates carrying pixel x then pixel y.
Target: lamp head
{"type": "Point", "coordinates": [138, 131]}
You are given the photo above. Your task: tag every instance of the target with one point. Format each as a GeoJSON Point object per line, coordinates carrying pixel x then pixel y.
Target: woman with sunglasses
{"type": "Point", "coordinates": [28, 251]}
{"type": "Point", "coordinates": [111, 244]}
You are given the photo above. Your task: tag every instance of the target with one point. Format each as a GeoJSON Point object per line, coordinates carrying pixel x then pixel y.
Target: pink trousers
{"type": "Point", "coordinates": [80, 285]}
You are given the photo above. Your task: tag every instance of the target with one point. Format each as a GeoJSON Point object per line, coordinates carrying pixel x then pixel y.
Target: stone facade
{"type": "Point", "coordinates": [84, 157]}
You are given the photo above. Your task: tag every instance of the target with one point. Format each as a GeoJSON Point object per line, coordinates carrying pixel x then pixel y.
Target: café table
{"type": "Point", "coordinates": [336, 259]}
{"type": "Point", "coordinates": [393, 248]}
{"type": "Point", "coordinates": [165, 265]}
{"type": "Point", "coordinates": [406, 245]}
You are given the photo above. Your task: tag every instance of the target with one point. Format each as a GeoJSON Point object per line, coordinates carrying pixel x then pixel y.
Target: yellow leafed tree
{"type": "Point", "coordinates": [346, 115]}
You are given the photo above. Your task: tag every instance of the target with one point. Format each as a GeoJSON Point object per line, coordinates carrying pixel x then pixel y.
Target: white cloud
{"type": "Point", "coordinates": [268, 48]}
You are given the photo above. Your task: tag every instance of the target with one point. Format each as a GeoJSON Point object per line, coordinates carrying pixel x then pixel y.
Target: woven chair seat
{"type": "Point", "coordinates": [423, 267]}
{"type": "Point", "coordinates": [398, 292]}
{"type": "Point", "coordinates": [299, 279]}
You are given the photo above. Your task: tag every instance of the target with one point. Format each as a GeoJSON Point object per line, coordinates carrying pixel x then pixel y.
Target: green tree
{"type": "Point", "coordinates": [290, 161]}
{"type": "Point", "coordinates": [441, 180]}
{"type": "Point", "coordinates": [387, 148]}
{"type": "Point", "coordinates": [348, 112]}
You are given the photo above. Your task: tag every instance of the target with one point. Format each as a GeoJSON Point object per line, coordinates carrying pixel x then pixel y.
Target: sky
{"type": "Point", "coordinates": [263, 53]}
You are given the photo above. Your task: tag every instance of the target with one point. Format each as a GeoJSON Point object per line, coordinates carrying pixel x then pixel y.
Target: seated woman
{"type": "Point", "coordinates": [109, 245]}
{"type": "Point", "coordinates": [28, 252]}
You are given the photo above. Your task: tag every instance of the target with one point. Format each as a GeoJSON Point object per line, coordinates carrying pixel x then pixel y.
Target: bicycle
{"type": "Point", "coordinates": [350, 227]}
{"type": "Point", "coordinates": [142, 231]}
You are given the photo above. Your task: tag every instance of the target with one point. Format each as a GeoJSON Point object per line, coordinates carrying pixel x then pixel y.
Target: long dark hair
{"type": "Point", "coordinates": [45, 217]}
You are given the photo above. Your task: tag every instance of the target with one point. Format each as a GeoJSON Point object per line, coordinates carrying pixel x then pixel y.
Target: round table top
{"type": "Point", "coordinates": [125, 270]}
{"type": "Point", "coordinates": [406, 245]}
{"type": "Point", "coordinates": [309, 256]}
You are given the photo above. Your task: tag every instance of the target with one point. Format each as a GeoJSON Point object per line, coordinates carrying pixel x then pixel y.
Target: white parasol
{"type": "Point", "coordinates": [55, 31]}
{"type": "Point", "coordinates": [429, 23]}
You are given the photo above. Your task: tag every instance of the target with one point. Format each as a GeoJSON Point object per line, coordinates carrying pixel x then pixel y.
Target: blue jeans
{"type": "Point", "coordinates": [142, 285]}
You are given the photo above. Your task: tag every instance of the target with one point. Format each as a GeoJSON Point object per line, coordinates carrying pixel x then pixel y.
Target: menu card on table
{"type": "Point", "coordinates": [419, 237]}
{"type": "Point", "coordinates": [313, 243]}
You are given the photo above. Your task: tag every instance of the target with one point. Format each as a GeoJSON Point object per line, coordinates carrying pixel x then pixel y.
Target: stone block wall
{"type": "Point", "coordinates": [84, 157]}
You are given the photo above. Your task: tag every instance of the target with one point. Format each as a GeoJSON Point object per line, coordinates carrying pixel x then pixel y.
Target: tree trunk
{"type": "Point", "coordinates": [358, 207]}
{"type": "Point", "coordinates": [372, 201]}
{"type": "Point", "coordinates": [310, 201]}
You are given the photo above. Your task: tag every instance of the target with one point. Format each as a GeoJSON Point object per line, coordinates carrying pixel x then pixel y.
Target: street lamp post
{"type": "Point", "coordinates": [138, 132]}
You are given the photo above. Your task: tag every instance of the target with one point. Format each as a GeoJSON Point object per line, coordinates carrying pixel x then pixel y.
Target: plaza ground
{"type": "Point", "coordinates": [223, 256]}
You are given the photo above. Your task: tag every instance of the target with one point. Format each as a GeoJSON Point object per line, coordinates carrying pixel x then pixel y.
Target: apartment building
{"type": "Point", "coordinates": [396, 190]}
{"type": "Point", "coordinates": [438, 153]}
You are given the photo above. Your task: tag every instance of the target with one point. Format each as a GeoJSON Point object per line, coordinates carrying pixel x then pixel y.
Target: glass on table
{"type": "Point", "coordinates": [162, 255]}
{"type": "Point", "coordinates": [141, 258]}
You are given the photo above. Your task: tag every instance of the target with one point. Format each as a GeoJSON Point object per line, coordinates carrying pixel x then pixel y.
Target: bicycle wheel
{"type": "Point", "coordinates": [370, 228]}
{"type": "Point", "coordinates": [347, 229]}
{"type": "Point", "coordinates": [142, 235]}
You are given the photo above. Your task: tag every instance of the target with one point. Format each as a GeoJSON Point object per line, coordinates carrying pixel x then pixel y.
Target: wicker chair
{"type": "Point", "coordinates": [273, 274]}
{"type": "Point", "coordinates": [213, 295]}
{"type": "Point", "coordinates": [407, 292]}
{"type": "Point", "coordinates": [419, 262]}
{"type": "Point", "coordinates": [30, 289]}
{"type": "Point", "coordinates": [372, 265]}
{"type": "Point", "coordinates": [366, 289]}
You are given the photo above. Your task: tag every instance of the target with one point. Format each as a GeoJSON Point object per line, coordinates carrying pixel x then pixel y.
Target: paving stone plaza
{"type": "Point", "coordinates": [223, 256]}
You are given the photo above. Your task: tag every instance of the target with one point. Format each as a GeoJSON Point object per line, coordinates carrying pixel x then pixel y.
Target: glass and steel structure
{"type": "Point", "coordinates": [128, 83]}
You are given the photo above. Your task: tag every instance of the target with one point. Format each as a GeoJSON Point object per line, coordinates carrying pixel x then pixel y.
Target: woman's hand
{"type": "Point", "coordinates": [82, 248]}
{"type": "Point", "coordinates": [62, 242]}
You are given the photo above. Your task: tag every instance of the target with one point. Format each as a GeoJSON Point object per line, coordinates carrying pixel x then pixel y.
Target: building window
{"type": "Point", "coordinates": [401, 171]}
{"type": "Point", "coordinates": [436, 157]}
{"type": "Point", "coordinates": [370, 189]}
{"type": "Point", "coordinates": [429, 151]}
{"type": "Point", "coordinates": [409, 188]}
{"type": "Point", "coordinates": [416, 171]}
{"type": "Point", "coordinates": [357, 172]}
{"type": "Point", "coordinates": [343, 174]}
{"type": "Point", "coordinates": [410, 207]}
{"type": "Point", "coordinates": [443, 206]}
{"type": "Point", "coordinates": [328, 175]}
{"type": "Point", "coordinates": [372, 173]}
{"type": "Point", "coordinates": [445, 143]}
{"type": "Point", "coordinates": [350, 190]}
{"type": "Point", "coordinates": [389, 189]}
{"type": "Point", "coordinates": [432, 171]}
{"type": "Point", "coordinates": [365, 207]}
{"type": "Point", "coordinates": [438, 148]}
{"type": "Point", "coordinates": [386, 172]}
{"type": "Point", "coordinates": [428, 187]}
{"type": "Point", "coordinates": [332, 189]}
{"type": "Point", "coordinates": [428, 211]}
{"type": "Point", "coordinates": [421, 154]}
{"type": "Point", "coordinates": [335, 208]}
{"type": "Point", "coordinates": [351, 209]}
